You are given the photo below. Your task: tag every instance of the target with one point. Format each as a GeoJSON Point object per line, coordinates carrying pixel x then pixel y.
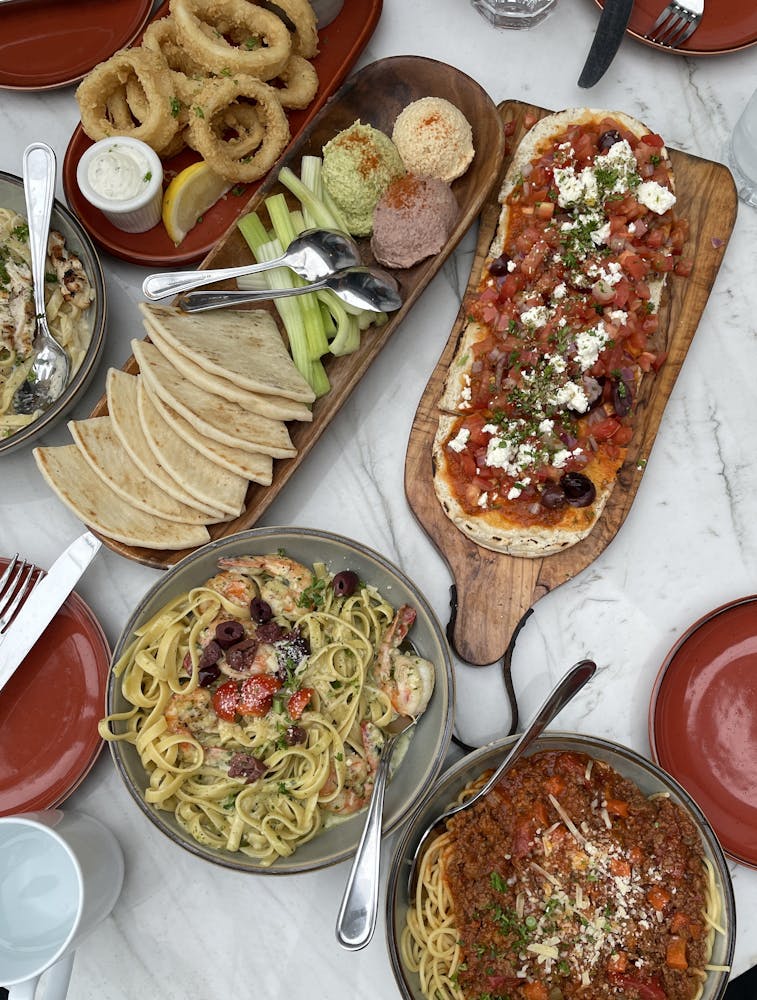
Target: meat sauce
{"type": "Point", "coordinates": [568, 323]}
{"type": "Point", "coordinates": [606, 903]}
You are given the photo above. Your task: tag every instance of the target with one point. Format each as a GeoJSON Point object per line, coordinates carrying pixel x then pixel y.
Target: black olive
{"type": "Point", "coordinates": [206, 675]}
{"type": "Point", "coordinates": [345, 583]}
{"type": "Point", "coordinates": [210, 655]}
{"type": "Point", "coordinates": [553, 497]}
{"type": "Point", "coordinates": [608, 138]}
{"type": "Point", "coordinates": [622, 397]}
{"type": "Point", "coordinates": [579, 489]}
{"type": "Point", "coordinates": [498, 266]}
{"type": "Point", "coordinates": [260, 610]}
{"type": "Point", "coordinates": [227, 633]}
{"type": "Point", "coordinates": [240, 656]}
{"type": "Point", "coordinates": [294, 735]}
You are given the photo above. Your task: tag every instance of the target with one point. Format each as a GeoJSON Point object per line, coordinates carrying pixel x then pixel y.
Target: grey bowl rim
{"type": "Point", "coordinates": [587, 743]}
{"type": "Point", "coordinates": [86, 371]}
{"type": "Point", "coordinates": [449, 717]}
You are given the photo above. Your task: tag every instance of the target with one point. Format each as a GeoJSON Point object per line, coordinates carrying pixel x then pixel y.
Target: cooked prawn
{"type": "Point", "coordinates": [283, 582]}
{"type": "Point", "coordinates": [359, 774]}
{"type": "Point", "coordinates": [235, 587]}
{"type": "Point", "coordinates": [190, 714]}
{"type": "Point", "coordinates": [405, 678]}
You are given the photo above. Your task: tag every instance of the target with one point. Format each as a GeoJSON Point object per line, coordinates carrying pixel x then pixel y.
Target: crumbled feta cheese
{"type": "Point", "coordinates": [601, 235]}
{"type": "Point", "coordinates": [560, 458]}
{"type": "Point", "coordinates": [556, 361]}
{"type": "Point", "coordinates": [618, 316]}
{"type": "Point", "coordinates": [514, 492]}
{"type": "Point", "coordinates": [460, 440]}
{"type": "Point", "coordinates": [631, 228]}
{"type": "Point", "coordinates": [559, 291]}
{"type": "Point", "coordinates": [576, 189]}
{"type": "Point", "coordinates": [588, 345]}
{"type": "Point", "coordinates": [572, 396]}
{"type": "Point", "coordinates": [483, 500]}
{"type": "Point", "coordinates": [656, 197]}
{"type": "Point", "coordinates": [536, 316]}
{"type": "Point", "coordinates": [546, 426]}
{"type": "Point", "coordinates": [511, 265]}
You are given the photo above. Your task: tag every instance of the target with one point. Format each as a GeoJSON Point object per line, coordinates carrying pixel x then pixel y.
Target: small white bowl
{"type": "Point", "coordinates": [136, 214]}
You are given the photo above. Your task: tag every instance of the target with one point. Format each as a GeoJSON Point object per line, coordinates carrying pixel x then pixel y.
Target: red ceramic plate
{"type": "Point", "coordinates": [49, 43]}
{"type": "Point", "coordinates": [49, 711]}
{"type": "Point", "coordinates": [341, 42]}
{"type": "Point", "coordinates": [726, 25]}
{"type": "Point", "coordinates": [703, 722]}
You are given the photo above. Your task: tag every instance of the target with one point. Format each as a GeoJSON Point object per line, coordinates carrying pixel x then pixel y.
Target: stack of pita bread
{"type": "Point", "coordinates": [183, 439]}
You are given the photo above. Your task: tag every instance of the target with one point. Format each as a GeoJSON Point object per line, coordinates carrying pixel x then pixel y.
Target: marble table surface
{"type": "Point", "coordinates": [182, 928]}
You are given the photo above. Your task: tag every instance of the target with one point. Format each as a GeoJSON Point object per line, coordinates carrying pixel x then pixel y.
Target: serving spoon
{"type": "Point", "coordinates": [313, 254]}
{"type": "Point", "coordinates": [48, 374]}
{"type": "Point", "coordinates": [356, 920]}
{"type": "Point", "coordinates": [367, 288]}
{"type": "Point", "coordinates": [566, 688]}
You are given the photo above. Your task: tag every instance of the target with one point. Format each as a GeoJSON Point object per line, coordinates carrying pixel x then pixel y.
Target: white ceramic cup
{"type": "Point", "coordinates": [131, 215]}
{"type": "Point", "coordinates": [60, 875]}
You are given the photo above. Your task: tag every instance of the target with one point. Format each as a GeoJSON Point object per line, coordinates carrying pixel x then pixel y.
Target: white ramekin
{"type": "Point", "coordinates": [135, 215]}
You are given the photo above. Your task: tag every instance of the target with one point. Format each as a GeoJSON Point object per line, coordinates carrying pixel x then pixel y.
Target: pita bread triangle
{"type": "Point", "coordinates": [209, 480]}
{"type": "Point", "coordinates": [275, 407]}
{"type": "Point", "coordinates": [121, 392]}
{"type": "Point", "coordinates": [69, 476]}
{"type": "Point", "coordinates": [101, 447]}
{"type": "Point", "coordinates": [213, 416]}
{"type": "Point", "coordinates": [246, 342]}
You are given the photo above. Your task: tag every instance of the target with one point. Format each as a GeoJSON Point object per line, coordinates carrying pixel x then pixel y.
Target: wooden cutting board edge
{"type": "Point", "coordinates": [494, 591]}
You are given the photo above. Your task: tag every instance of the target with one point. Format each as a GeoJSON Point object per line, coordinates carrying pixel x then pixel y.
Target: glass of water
{"type": "Point", "coordinates": [514, 13]}
{"type": "Point", "coordinates": [742, 152]}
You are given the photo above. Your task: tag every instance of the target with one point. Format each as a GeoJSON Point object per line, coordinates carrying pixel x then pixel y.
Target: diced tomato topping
{"type": "Point", "coordinates": [299, 701]}
{"type": "Point", "coordinates": [620, 868]}
{"type": "Point", "coordinates": [657, 897]}
{"type": "Point", "coordinates": [617, 807]}
{"type": "Point", "coordinates": [534, 991]}
{"type": "Point", "coordinates": [256, 696]}
{"type": "Point", "coordinates": [226, 701]}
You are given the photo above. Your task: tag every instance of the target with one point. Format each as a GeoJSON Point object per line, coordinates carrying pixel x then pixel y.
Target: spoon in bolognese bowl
{"type": "Point", "coordinates": [566, 689]}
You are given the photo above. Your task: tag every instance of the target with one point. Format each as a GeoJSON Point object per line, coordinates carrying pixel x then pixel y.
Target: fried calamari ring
{"type": "Point", "coordinates": [98, 98]}
{"type": "Point", "coordinates": [162, 36]}
{"type": "Point", "coordinates": [300, 83]}
{"type": "Point", "coordinates": [302, 17]}
{"type": "Point", "coordinates": [213, 101]}
{"type": "Point", "coordinates": [240, 129]}
{"type": "Point", "coordinates": [260, 42]}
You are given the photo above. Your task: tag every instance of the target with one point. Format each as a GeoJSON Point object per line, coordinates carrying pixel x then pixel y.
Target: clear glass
{"type": "Point", "coordinates": [514, 13]}
{"type": "Point", "coordinates": [742, 152]}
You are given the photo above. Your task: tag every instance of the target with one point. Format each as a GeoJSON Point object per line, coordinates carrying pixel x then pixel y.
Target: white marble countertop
{"type": "Point", "coordinates": [182, 928]}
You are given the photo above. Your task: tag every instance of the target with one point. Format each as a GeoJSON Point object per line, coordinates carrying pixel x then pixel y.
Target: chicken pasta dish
{"type": "Point", "coordinates": [68, 296]}
{"type": "Point", "coordinates": [260, 699]}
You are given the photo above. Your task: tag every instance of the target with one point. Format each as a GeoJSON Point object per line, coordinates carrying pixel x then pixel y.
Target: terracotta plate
{"type": "Point", "coordinates": [341, 42]}
{"type": "Point", "coordinates": [46, 43]}
{"type": "Point", "coordinates": [726, 25]}
{"type": "Point", "coordinates": [703, 722]}
{"type": "Point", "coordinates": [49, 712]}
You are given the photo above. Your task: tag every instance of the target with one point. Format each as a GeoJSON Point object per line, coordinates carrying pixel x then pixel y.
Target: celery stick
{"type": "Point", "coordinates": [289, 308]}
{"type": "Point", "coordinates": [320, 214]}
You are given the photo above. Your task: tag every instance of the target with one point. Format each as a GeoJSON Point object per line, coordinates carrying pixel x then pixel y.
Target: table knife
{"type": "Point", "coordinates": [610, 30]}
{"type": "Point", "coordinates": [40, 607]}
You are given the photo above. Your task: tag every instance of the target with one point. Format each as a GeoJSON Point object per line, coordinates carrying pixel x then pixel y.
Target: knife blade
{"type": "Point", "coordinates": [610, 30]}
{"type": "Point", "coordinates": [40, 607]}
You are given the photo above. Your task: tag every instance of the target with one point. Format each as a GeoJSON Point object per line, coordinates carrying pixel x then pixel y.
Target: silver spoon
{"type": "Point", "coordinates": [356, 921]}
{"type": "Point", "coordinates": [48, 375]}
{"type": "Point", "coordinates": [562, 693]}
{"type": "Point", "coordinates": [313, 254]}
{"type": "Point", "coordinates": [367, 288]}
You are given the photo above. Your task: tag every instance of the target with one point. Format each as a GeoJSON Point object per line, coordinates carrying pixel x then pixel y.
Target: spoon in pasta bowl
{"type": "Point", "coordinates": [314, 254]}
{"type": "Point", "coordinates": [566, 688]}
{"type": "Point", "coordinates": [48, 374]}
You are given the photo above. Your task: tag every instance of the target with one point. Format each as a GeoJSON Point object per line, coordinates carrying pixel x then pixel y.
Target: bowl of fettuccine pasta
{"type": "Point", "coordinates": [75, 307]}
{"type": "Point", "coordinates": [251, 692]}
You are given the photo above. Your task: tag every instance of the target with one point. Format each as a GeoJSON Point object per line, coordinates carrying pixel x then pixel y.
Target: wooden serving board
{"type": "Point", "coordinates": [375, 95]}
{"type": "Point", "coordinates": [494, 591]}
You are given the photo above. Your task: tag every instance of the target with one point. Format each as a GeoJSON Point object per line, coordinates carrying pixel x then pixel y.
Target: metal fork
{"type": "Point", "coordinates": [676, 23]}
{"type": "Point", "coordinates": [16, 584]}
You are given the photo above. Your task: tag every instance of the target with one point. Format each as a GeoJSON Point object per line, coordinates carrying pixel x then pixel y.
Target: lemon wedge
{"type": "Point", "coordinates": [189, 195]}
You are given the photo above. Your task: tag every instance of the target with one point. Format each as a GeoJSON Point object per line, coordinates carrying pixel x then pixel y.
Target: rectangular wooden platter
{"type": "Point", "coordinates": [375, 95]}
{"type": "Point", "coordinates": [494, 591]}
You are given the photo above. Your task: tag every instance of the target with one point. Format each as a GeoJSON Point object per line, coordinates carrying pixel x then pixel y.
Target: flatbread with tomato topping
{"type": "Point", "coordinates": [539, 403]}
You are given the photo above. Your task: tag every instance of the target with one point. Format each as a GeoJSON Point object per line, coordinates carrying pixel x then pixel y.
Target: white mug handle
{"type": "Point", "coordinates": [56, 987]}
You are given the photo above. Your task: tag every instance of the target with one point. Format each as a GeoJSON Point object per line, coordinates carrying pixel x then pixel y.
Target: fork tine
{"type": "Point", "coordinates": [24, 587]}
{"type": "Point", "coordinates": [666, 13]}
{"type": "Point", "coordinates": [5, 577]}
{"type": "Point", "coordinates": [671, 29]}
{"type": "Point", "coordinates": [686, 33]}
